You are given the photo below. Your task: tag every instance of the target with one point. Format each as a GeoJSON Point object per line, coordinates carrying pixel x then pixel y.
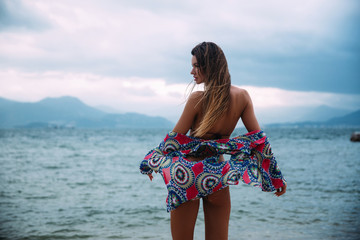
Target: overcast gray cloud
{"type": "Point", "coordinates": [15, 15]}
{"type": "Point", "coordinates": [307, 46]}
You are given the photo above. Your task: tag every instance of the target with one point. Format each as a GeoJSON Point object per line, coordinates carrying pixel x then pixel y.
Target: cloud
{"type": "Point", "coordinates": [135, 55]}
{"type": "Point", "coordinates": [152, 96]}
{"type": "Point", "coordinates": [14, 15]}
{"type": "Point", "coordinates": [293, 46]}
{"type": "Point", "coordinates": [265, 97]}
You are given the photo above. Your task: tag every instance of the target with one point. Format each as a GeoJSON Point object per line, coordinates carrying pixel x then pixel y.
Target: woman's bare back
{"type": "Point", "coordinates": [240, 107]}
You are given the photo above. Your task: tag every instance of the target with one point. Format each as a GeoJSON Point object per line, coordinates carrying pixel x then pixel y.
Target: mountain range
{"type": "Point", "coordinates": [70, 112]}
{"type": "Point", "coordinates": [348, 120]}
{"type": "Point", "coordinates": [323, 113]}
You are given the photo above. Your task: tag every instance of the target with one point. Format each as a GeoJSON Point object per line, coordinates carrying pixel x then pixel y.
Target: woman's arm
{"type": "Point", "coordinates": [189, 114]}
{"type": "Point", "coordinates": [187, 117]}
{"type": "Point", "coordinates": [248, 115]}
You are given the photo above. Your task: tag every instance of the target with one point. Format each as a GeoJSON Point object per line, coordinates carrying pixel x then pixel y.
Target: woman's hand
{"type": "Point", "coordinates": [280, 191]}
{"type": "Point", "coordinates": [150, 176]}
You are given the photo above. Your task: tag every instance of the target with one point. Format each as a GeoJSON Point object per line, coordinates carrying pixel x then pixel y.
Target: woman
{"type": "Point", "coordinates": [211, 114]}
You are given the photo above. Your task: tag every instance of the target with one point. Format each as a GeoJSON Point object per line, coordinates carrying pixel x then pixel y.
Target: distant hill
{"type": "Point", "coordinates": [70, 112]}
{"type": "Point", "coordinates": [324, 113]}
{"type": "Point", "coordinates": [350, 120]}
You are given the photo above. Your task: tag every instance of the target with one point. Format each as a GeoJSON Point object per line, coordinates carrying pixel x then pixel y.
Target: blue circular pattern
{"type": "Point", "coordinates": [171, 145]}
{"type": "Point", "coordinates": [254, 173]}
{"type": "Point", "coordinates": [214, 166]}
{"type": "Point", "coordinates": [175, 197]}
{"type": "Point", "coordinates": [231, 178]}
{"type": "Point", "coordinates": [267, 152]}
{"type": "Point", "coordinates": [205, 182]}
{"type": "Point", "coordinates": [182, 175]}
{"type": "Point", "coordinates": [155, 161]}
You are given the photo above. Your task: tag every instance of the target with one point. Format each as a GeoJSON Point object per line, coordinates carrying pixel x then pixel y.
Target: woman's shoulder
{"type": "Point", "coordinates": [194, 99]}
{"type": "Point", "coordinates": [239, 92]}
{"type": "Point", "coordinates": [196, 96]}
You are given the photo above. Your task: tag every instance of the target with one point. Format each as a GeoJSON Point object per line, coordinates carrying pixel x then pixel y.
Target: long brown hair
{"type": "Point", "coordinates": [216, 98]}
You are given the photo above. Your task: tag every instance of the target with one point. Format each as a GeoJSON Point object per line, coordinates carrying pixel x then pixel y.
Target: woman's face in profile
{"type": "Point", "coordinates": [195, 71]}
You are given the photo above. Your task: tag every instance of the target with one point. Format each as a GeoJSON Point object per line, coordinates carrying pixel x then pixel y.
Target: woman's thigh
{"type": "Point", "coordinates": [183, 220]}
{"type": "Point", "coordinates": [217, 208]}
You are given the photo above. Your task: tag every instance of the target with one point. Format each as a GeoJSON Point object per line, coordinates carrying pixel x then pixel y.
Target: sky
{"type": "Point", "coordinates": [134, 56]}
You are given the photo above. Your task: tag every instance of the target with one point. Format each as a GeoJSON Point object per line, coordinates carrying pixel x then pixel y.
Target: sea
{"type": "Point", "coordinates": [85, 184]}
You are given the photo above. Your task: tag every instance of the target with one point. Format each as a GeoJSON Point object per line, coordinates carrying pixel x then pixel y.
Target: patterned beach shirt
{"type": "Point", "coordinates": [251, 161]}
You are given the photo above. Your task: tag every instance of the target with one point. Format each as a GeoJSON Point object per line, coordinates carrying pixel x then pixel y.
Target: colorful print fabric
{"type": "Point", "coordinates": [251, 161]}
